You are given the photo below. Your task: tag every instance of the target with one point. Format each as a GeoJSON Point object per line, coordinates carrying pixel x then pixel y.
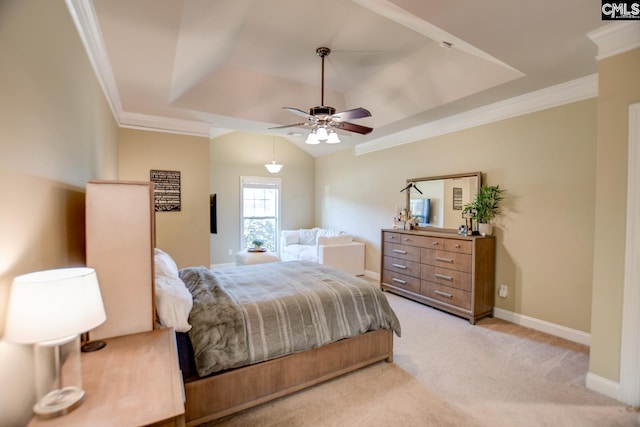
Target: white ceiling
{"type": "Point", "coordinates": [212, 66]}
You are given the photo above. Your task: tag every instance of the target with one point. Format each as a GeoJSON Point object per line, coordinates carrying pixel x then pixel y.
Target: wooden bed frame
{"type": "Point", "coordinates": [223, 394]}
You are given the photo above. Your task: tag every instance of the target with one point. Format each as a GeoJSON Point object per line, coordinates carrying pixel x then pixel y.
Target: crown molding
{"type": "Point", "coordinates": [84, 17]}
{"type": "Point", "coordinates": [616, 38]}
{"type": "Point", "coordinates": [565, 93]}
{"type": "Point", "coordinates": [164, 124]}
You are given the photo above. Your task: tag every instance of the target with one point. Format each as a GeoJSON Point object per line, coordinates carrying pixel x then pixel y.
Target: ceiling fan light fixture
{"type": "Point", "coordinates": [322, 134]}
{"type": "Point", "coordinates": [333, 138]}
{"type": "Point", "coordinates": [312, 139]}
{"type": "Point", "coordinates": [323, 117]}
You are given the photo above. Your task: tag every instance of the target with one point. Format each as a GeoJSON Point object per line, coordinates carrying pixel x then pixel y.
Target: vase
{"type": "Point", "coordinates": [485, 229]}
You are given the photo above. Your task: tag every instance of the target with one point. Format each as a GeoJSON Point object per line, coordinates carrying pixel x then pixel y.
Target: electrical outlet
{"type": "Point", "coordinates": [230, 251]}
{"type": "Point", "coordinates": [503, 291]}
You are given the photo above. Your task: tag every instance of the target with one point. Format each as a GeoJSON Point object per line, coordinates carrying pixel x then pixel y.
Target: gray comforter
{"type": "Point", "coordinates": [254, 313]}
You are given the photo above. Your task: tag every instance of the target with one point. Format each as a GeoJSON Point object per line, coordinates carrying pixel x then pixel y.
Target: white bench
{"type": "Point", "coordinates": [248, 258]}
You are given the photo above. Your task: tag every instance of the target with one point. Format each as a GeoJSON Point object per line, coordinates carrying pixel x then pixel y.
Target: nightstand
{"type": "Point", "coordinates": [134, 381]}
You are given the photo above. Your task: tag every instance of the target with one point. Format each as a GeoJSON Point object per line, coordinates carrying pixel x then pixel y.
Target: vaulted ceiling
{"type": "Point", "coordinates": [213, 66]}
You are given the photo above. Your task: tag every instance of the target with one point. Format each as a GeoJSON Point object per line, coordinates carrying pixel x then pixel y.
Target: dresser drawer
{"type": "Point", "coordinates": [434, 243]}
{"type": "Point", "coordinates": [459, 246]}
{"type": "Point", "coordinates": [406, 252]}
{"type": "Point", "coordinates": [443, 276]}
{"type": "Point", "coordinates": [401, 266]}
{"type": "Point", "coordinates": [449, 260]}
{"type": "Point", "coordinates": [446, 294]}
{"type": "Point", "coordinates": [405, 239]}
{"type": "Point", "coordinates": [401, 281]}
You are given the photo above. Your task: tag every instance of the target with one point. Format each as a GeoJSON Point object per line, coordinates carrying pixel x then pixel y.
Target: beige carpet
{"type": "Point", "coordinates": [447, 372]}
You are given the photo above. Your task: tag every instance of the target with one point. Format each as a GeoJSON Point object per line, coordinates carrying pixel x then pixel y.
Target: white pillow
{"type": "Point", "coordinates": [291, 237]}
{"type": "Point", "coordinates": [326, 232]}
{"type": "Point", "coordinates": [173, 299]}
{"type": "Point", "coordinates": [164, 264]}
{"type": "Point", "coordinates": [308, 236]}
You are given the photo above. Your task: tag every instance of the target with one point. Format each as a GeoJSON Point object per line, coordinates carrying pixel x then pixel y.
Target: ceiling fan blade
{"type": "Point", "coordinates": [355, 113]}
{"type": "Point", "coordinates": [299, 112]}
{"type": "Point", "coordinates": [352, 127]}
{"type": "Point", "coordinates": [301, 125]}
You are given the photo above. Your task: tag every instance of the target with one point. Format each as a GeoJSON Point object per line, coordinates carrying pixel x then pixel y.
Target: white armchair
{"type": "Point", "coordinates": [328, 247]}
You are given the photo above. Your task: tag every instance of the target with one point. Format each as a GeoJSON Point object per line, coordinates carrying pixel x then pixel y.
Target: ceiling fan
{"type": "Point", "coordinates": [323, 120]}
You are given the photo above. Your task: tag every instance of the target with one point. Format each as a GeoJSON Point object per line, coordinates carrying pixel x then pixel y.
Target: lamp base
{"type": "Point", "coordinates": [59, 402]}
{"type": "Point", "coordinates": [92, 346]}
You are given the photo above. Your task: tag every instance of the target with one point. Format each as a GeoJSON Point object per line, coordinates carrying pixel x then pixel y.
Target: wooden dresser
{"type": "Point", "coordinates": [443, 270]}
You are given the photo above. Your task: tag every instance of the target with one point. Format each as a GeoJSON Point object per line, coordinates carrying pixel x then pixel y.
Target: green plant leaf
{"type": "Point", "coordinates": [486, 204]}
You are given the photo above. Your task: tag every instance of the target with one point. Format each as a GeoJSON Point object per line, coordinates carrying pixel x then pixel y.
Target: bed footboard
{"type": "Point", "coordinates": [232, 391]}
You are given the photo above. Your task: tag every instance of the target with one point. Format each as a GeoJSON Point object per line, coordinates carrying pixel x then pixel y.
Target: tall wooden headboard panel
{"type": "Point", "coordinates": [120, 233]}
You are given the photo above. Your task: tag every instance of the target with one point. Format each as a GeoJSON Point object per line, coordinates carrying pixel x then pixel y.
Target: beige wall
{"type": "Point", "coordinates": [243, 154]}
{"type": "Point", "coordinates": [182, 234]}
{"type": "Point", "coordinates": [545, 161]}
{"type": "Point", "coordinates": [56, 132]}
{"type": "Point", "coordinates": [619, 86]}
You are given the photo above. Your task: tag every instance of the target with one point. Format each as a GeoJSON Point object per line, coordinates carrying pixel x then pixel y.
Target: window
{"type": "Point", "coordinates": [260, 211]}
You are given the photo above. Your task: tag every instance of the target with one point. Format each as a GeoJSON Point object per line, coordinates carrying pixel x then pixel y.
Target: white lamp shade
{"type": "Point", "coordinates": [333, 138]}
{"type": "Point", "coordinates": [273, 167]}
{"type": "Point", "coordinates": [53, 304]}
{"type": "Point", "coordinates": [321, 133]}
{"type": "Point", "coordinates": [312, 139]}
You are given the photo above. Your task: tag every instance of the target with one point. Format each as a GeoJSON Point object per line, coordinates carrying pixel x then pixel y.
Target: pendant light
{"type": "Point", "coordinates": [273, 167]}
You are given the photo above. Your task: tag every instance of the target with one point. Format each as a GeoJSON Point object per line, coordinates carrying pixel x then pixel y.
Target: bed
{"type": "Point", "coordinates": [259, 332]}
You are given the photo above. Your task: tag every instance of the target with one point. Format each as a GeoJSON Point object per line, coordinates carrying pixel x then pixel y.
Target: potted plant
{"type": "Point", "coordinates": [485, 207]}
{"type": "Point", "coordinates": [257, 244]}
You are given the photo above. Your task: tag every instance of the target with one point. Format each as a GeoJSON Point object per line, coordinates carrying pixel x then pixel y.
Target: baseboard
{"type": "Point", "coordinates": [543, 326]}
{"type": "Point", "coordinates": [604, 386]}
{"type": "Point", "coordinates": [372, 275]}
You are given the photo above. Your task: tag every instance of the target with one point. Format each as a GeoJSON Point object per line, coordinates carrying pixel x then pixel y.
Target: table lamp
{"type": "Point", "coordinates": [51, 309]}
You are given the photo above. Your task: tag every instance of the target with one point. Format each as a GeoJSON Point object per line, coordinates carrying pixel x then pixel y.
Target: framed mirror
{"type": "Point", "coordinates": [438, 201]}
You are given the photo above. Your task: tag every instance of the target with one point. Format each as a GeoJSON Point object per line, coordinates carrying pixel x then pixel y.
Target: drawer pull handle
{"type": "Point", "coordinates": [442, 276]}
{"type": "Point", "coordinates": [398, 251]}
{"type": "Point", "coordinates": [457, 246]}
{"type": "Point", "coordinates": [402, 282]}
{"type": "Point", "coordinates": [443, 294]}
{"type": "Point", "coordinates": [404, 267]}
{"type": "Point", "coordinates": [406, 239]}
{"type": "Point", "coordinates": [449, 260]}
{"type": "Point", "coordinates": [435, 243]}
{"type": "Point", "coordinates": [391, 237]}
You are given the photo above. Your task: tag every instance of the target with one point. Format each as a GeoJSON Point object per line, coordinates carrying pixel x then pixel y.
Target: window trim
{"type": "Point", "coordinates": [260, 182]}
